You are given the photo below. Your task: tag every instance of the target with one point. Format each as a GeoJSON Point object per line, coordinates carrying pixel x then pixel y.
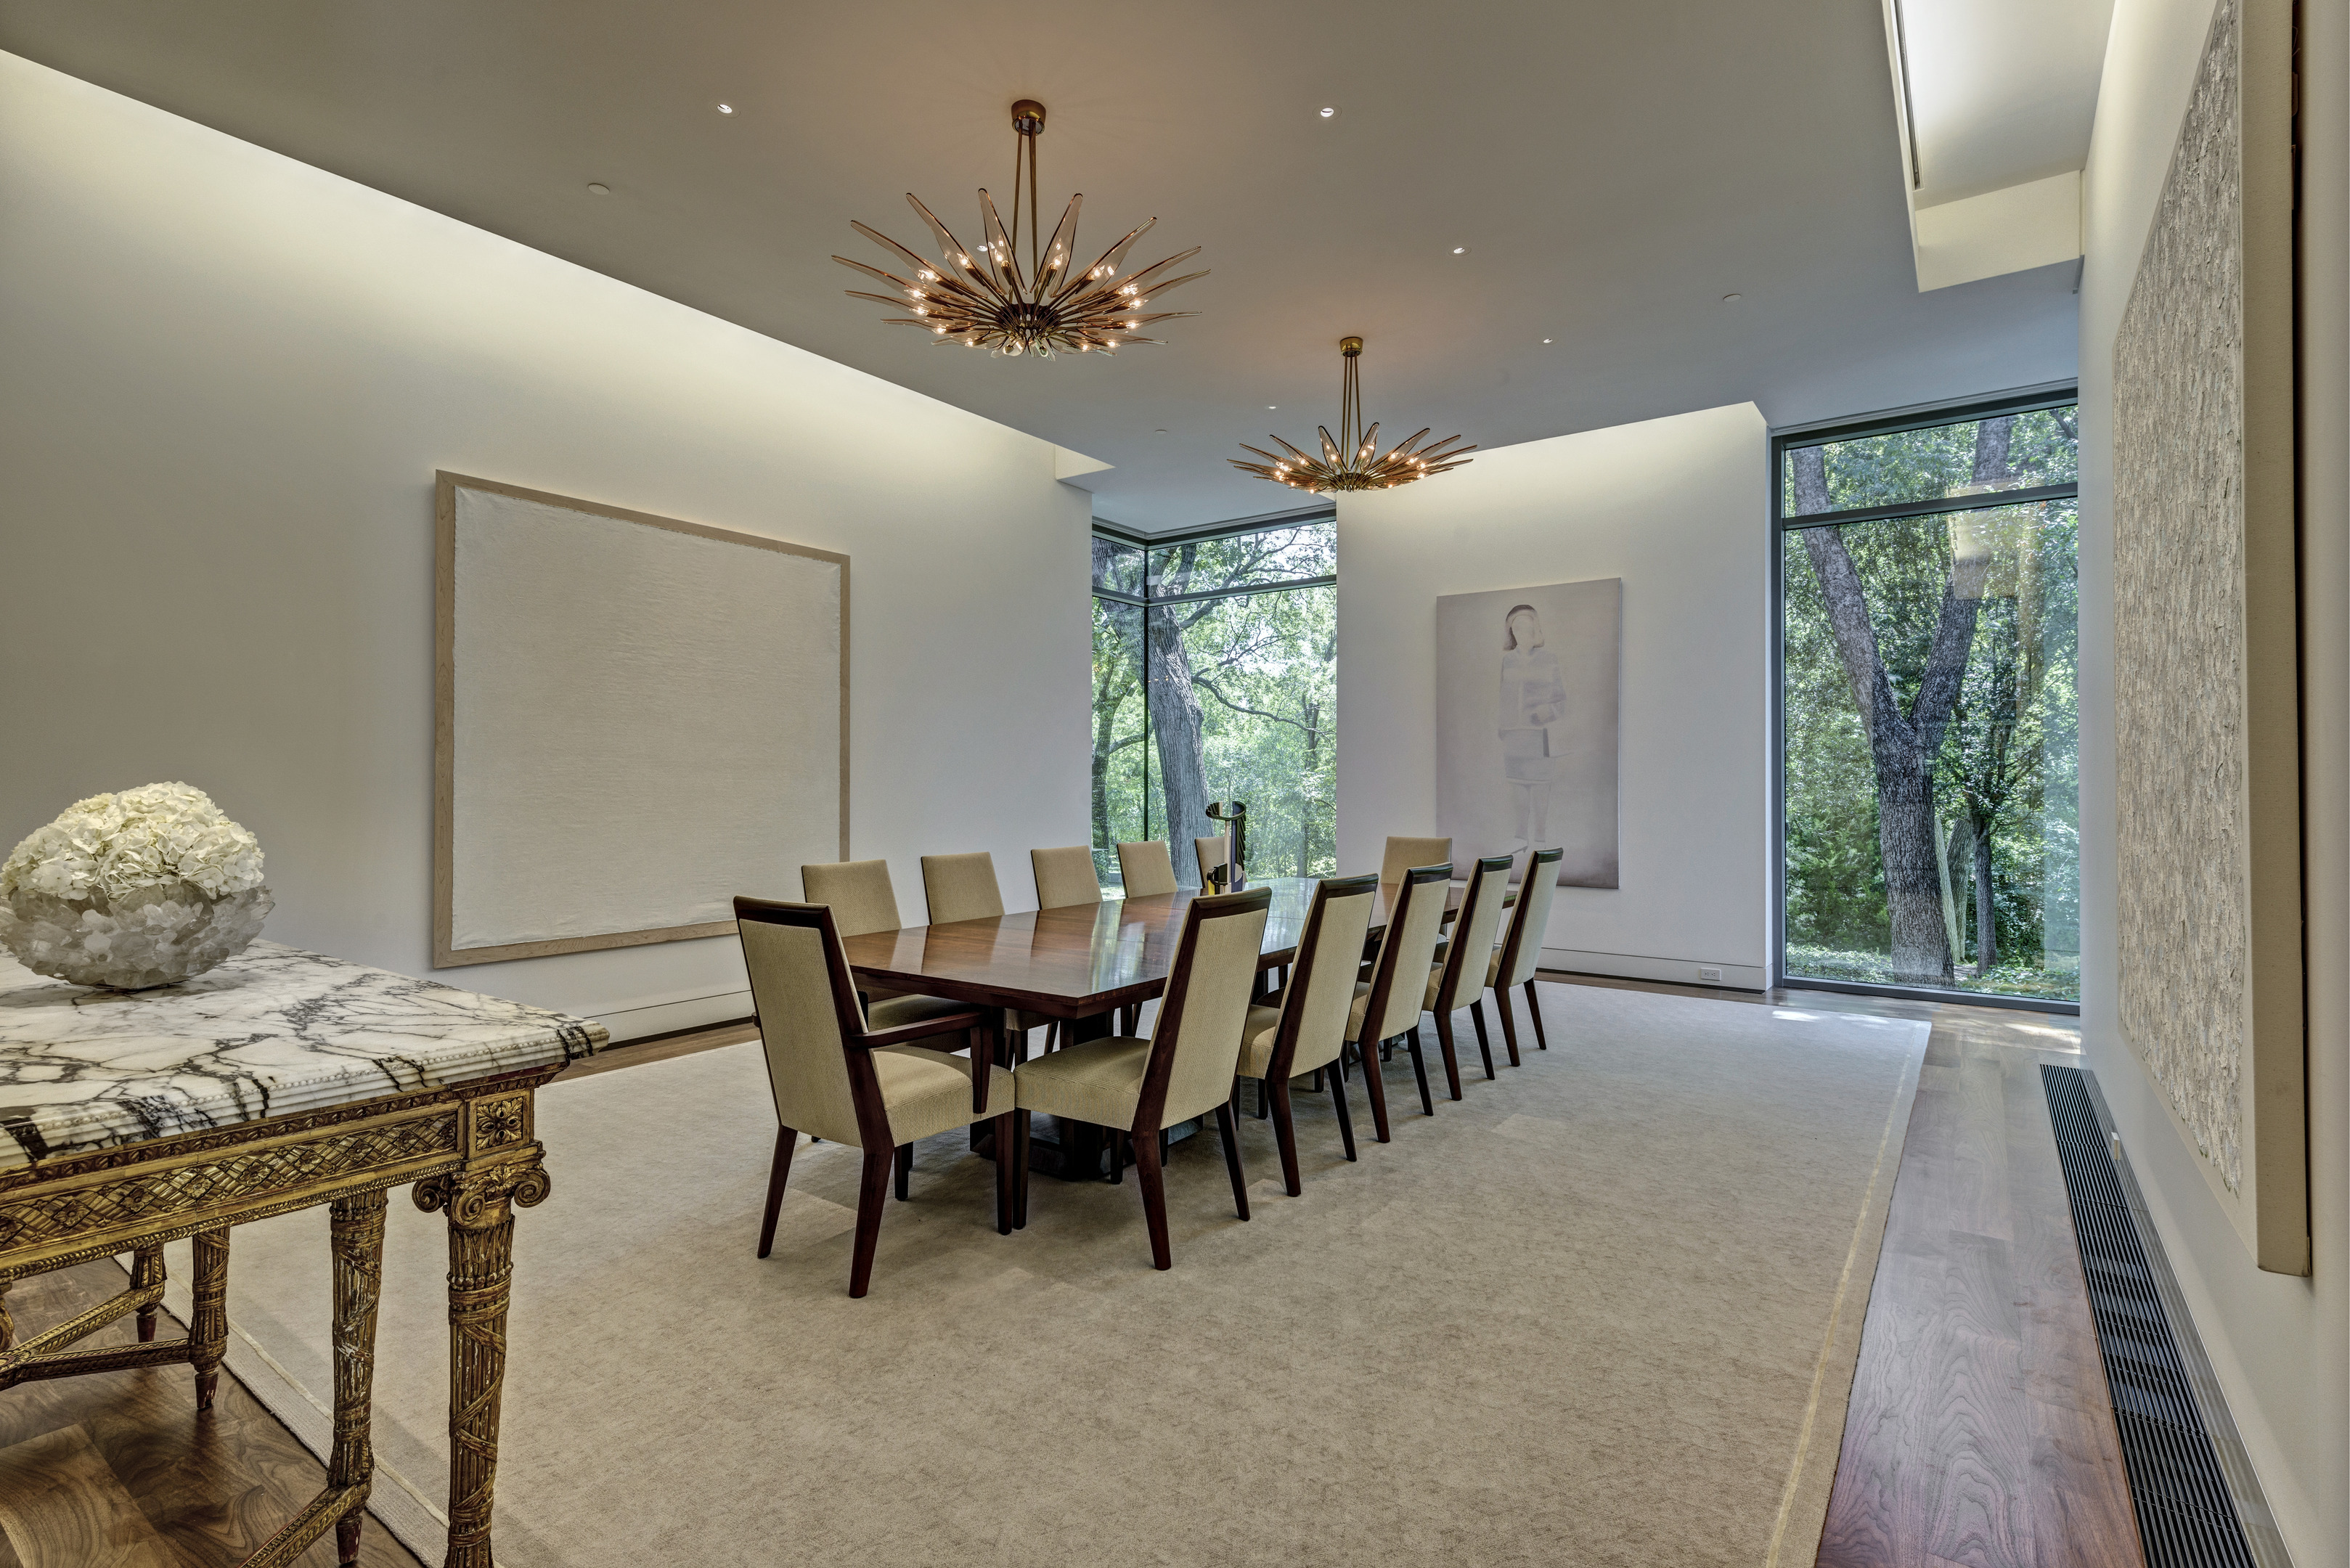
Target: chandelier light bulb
{"type": "Point", "coordinates": [1033, 311]}
{"type": "Point", "coordinates": [1353, 460]}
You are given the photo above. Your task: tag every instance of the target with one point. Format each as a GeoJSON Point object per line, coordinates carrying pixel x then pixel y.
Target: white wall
{"type": "Point", "coordinates": [2281, 1346]}
{"type": "Point", "coordinates": [226, 379]}
{"type": "Point", "coordinates": [1677, 508]}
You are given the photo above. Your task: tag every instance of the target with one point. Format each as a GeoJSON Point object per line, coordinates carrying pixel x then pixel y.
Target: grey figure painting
{"type": "Point", "coordinates": [1526, 724]}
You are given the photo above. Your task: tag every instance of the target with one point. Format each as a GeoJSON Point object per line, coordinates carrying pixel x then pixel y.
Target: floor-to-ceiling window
{"type": "Point", "coordinates": [1929, 793]}
{"type": "Point", "coordinates": [1215, 679]}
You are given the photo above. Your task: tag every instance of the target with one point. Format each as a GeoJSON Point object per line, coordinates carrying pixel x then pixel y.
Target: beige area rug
{"type": "Point", "coordinates": [1605, 1310]}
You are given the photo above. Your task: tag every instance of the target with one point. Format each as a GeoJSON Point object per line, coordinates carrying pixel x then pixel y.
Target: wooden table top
{"type": "Point", "coordinates": [1076, 961]}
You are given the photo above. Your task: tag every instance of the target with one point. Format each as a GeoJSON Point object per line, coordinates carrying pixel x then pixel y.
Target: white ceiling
{"type": "Point", "coordinates": [2002, 92]}
{"type": "Point", "coordinates": [1614, 169]}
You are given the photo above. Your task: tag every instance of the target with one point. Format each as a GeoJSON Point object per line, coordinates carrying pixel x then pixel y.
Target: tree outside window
{"type": "Point", "coordinates": [1215, 669]}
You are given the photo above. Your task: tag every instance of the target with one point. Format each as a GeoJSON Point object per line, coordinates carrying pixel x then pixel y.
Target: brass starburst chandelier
{"type": "Point", "coordinates": [1354, 461]}
{"type": "Point", "coordinates": [984, 298]}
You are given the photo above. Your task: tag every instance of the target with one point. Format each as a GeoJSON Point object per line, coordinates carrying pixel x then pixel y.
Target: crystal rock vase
{"type": "Point", "coordinates": [155, 936]}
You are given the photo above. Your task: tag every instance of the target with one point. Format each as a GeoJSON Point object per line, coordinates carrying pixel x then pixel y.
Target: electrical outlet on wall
{"type": "Point", "coordinates": [1709, 971]}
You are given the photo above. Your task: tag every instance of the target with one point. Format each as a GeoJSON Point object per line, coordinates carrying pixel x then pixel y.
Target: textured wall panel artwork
{"type": "Point", "coordinates": [637, 719]}
{"type": "Point", "coordinates": [2207, 743]}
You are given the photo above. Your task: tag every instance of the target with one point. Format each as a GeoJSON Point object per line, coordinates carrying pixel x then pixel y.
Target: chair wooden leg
{"type": "Point", "coordinates": [1419, 1070]}
{"type": "Point", "coordinates": [1117, 1142]}
{"type": "Point", "coordinates": [1228, 1127]}
{"type": "Point", "coordinates": [1485, 1046]}
{"type": "Point", "coordinates": [1148, 1175]}
{"type": "Point", "coordinates": [1263, 1099]}
{"type": "Point", "coordinates": [1020, 1176]}
{"type": "Point", "coordinates": [1451, 1060]}
{"type": "Point", "coordinates": [1345, 1120]}
{"type": "Point", "coordinates": [872, 1196]}
{"type": "Point", "coordinates": [1375, 1084]}
{"type": "Point", "coordinates": [1007, 1155]}
{"type": "Point", "coordinates": [1317, 1079]}
{"type": "Point", "coordinates": [1509, 1024]}
{"type": "Point", "coordinates": [1534, 1005]}
{"type": "Point", "coordinates": [1285, 1134]}
{"type": "Point", "coordinates": [905, 1170]}
{"type": "Point", "coordinates": [786, 1138]}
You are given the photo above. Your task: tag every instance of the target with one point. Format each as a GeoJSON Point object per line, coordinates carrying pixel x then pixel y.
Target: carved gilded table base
{"type": "Point", "coordinates": [467, 1151]}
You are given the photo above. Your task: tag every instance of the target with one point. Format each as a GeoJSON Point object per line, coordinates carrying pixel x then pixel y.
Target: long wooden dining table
{"type": "Point", "coordinates": [1080, 964]}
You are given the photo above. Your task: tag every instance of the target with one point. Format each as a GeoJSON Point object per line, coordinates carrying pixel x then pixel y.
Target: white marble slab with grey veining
{"type": "Point", "coordinates": [273, 1031]}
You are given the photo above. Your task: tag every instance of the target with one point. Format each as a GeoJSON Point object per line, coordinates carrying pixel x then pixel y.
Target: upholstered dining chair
{"type": "Point", "coordinates": [835, 1077]}
{"type": "Point", "coordinates": [863, 901]}
{"type": "Point", "coordinates": [1141, 1087]}
{"type": "Point", "coordinates": [1145, 868]}
{"type": "Point", "coordinates": [1306, 1028]}
{"type": "Point", "coordinates": [1403, 854]}
{"type": "Point", "coordinates": [1064, 876]}
{"type": "Point", "coordinates": [1390, 1006]}
{"type": "Point", "coordinates": [1459, 980]}
{"type": "Point", "coordinates": [1210, 853]}
{"type": "Point", "coordinates": [963, 887]}
{"type": "Point", "coordinates": [1520, 955]}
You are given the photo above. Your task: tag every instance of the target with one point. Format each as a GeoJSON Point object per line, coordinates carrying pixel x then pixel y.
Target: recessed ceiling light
{"type": "Point", "coordinates": [1460, 250]}
{"type": "Point", "coordinates": [1329, 110]}
{"type": "Point", "coordinates": [1546, 339]}
{"type": "Point", "coordinates": [725, 108]}
{"type": "Point", "coordinates": [1158, 432]}
{"type": "Point", "coordinates": [597, 188]}
{"type": "Point", "coordinates": [1732, 298]}
{"type": "Point", "coordinates": [1270, 407]}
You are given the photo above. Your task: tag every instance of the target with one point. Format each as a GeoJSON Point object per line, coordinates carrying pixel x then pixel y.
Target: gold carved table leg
{"type": "Point", "coordinates": [356, 1232]}
{"type": "Point", "coordinates": [480, 1200]}
{"type": "Point", "coordinates": [208, 1327]}
{"type": "Point", "coordinates": [146, 1270]}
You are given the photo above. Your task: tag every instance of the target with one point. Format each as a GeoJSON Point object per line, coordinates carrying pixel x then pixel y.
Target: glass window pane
{"type": "Point", "coordinates": [1275, 555]}
{"type": "Point", "coordinates": [1931, 729]}
{"type": "Point", "coordinates": [2012, 452]}
{"type": "Point", "coordinates": [1262, 670]}
{"type": "Point", "coordinates": [1121, 761]}
{"type": "Point", "coordinates": [1117, 566]}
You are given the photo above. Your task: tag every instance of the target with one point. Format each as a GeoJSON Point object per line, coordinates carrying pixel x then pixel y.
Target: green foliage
{"type": "Point", "coordinates": [2009, 757]}
{"type": "Point", "coordinates": [1265, 669]}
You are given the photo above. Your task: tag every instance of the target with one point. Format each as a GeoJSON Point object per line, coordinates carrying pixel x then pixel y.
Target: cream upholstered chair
{"type": "Point", "coordinates": [862, 901]}
{"type": "Point", "coordinates": [1065, 877]}
{"type": "Point", "coordinates": [1307, 1028]}
{"type": "Point", "coordinates": [1145, 868]}
{"type": "Point", "coordinates": [1184, 1070]}
{"type": "Point", "coordinates": [1392, 1003]}
{"type": "Point", "coordinates": [1521, 954]}
{"type": "Point", "coordinates": [1403, 854]}
{"type": "Point", "coordinates": [1210, 853]}
{"type": "Point", "coordinates": [1459, 980]}
{"type": "Point", "coordinates": [963, 887]}
{"type": "Point", "coordinates": [835, 1077]}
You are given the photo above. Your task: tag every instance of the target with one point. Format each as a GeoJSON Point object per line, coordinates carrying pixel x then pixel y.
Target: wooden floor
{"type": "Point", "coordinates": [1979, 1436]}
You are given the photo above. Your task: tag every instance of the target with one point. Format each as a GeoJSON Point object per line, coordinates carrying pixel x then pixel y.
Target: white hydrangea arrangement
{"type": "Point", "coordinates": [142, 887]}
{"type": "Point", "coordinates": [114, 845]}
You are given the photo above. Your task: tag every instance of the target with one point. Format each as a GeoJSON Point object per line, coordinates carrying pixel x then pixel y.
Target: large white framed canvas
{"type": "Point", "coordinates": [2206, 653]}
{"type": "Point", "coordinates": [635, 719]}
{"type": "Point", "coordinates": [1527, 734]}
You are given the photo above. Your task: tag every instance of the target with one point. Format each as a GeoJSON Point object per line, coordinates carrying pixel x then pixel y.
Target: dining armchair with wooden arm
{"type": "Point", "coordinates": [835, 1076]}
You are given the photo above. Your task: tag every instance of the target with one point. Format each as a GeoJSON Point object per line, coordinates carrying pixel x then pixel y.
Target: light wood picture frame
{"type": "Point", "coordinates": [635, 718]}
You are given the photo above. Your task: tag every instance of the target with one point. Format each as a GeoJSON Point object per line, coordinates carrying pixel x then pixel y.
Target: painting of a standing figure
{"type": "Point", "coordinates": [1531, 763]}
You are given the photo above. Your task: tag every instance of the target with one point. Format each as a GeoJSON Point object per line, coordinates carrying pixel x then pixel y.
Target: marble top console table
{"type": "Point", "coordinates": [281, 1080]}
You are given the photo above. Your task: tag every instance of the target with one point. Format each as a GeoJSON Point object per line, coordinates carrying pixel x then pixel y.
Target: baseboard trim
{"type": "Point", "coordinates": [1677, 971]}
{"type": "Point", "coordinates": [675, 1017]}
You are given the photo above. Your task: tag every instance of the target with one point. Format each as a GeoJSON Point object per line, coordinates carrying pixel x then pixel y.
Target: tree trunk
{"type": "Point", "coordinates": [1175, 723]}
{"type": "Point", "coordinates": [1305, 800]}
{"type": "Point", "coordinates": [1105, 722]}
{"type": "Point", "coordinates": [1986, 909]}
{"type": "Point", "coordinates": [1902, 746]}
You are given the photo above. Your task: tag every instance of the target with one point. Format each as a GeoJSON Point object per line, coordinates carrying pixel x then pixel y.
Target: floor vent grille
{"type": "Point", "coordinates": [2186, 1514]}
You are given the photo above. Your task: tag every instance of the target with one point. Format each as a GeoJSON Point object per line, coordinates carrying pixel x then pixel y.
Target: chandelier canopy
{"type": "Point", "coordinates": [1354, 461]}
{"type": "Point", "coordinates": [984, 298]}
